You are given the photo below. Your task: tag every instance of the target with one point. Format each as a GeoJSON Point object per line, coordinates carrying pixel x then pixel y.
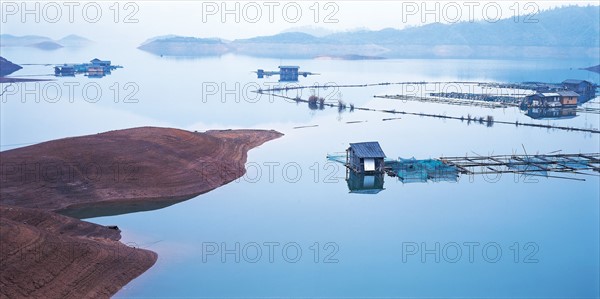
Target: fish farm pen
{"type": "Point", "coordinates": [449, 169]}
{"type": "Point", "coordinates": [488, 121]}
{"type": "Point", "coordinates": [520, 94]}
{"type": "Point", "coordinates": [478, 100]}
{"type": "Point", "coordinates": [413, 170]}
{"type": "Point", "coordinates": [468, 100]}
{"type": "Point", "coordinates": [325, 86]}
{"type": "Point", "coordinates": [579, 164]}
{"type": "Point", "coordinates": [579, 86]}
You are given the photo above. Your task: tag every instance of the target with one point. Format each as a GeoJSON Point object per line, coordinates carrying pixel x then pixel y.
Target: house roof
{"type": "Point", "coordinates": [549, 94]}
{"type": "Point", "coordinates": [567, 93]}
{"type": "Point", "coordinates": [367, 149]}
{"type": "Point", "coordinates": [574, 81]}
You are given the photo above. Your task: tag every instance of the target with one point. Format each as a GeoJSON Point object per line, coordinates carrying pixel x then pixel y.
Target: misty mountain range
{"type": "Point", "coordinates": [42, 42]}
{"type": "Point", "coordinates": [558, 32]}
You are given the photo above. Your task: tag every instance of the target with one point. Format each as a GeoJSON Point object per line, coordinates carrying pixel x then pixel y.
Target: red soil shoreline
{"type": "Point", "coordinates": [47, 255]}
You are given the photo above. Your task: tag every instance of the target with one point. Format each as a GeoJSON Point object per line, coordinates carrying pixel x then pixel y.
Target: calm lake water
{"type": "Point", "coordinates": [290, 227]}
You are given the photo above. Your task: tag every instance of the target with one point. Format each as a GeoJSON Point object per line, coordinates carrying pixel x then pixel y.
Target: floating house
{"type": "Point", "coordinates": [98, 62]}
{"type": "Point", "coordinates": [95, 68]}
{"type": "Point", "coordinates": [365, 157]}
{"type": "Point", "coordinates": [543, 99]}
{"type": "Point", "coordinates": [64, 70]}
{"type": "Point", "coordinates": [288, 73]}
{"type": "Point", "coordinates": [561, 98]}
{"type": "Point", "coordinates": [568, 98]}
{"type": "Point", "coordinates": [98, 68]}
{"type": "Point", "coordinates": [585, 89]}
{"type": "Point", "coordinates": [579, 86]}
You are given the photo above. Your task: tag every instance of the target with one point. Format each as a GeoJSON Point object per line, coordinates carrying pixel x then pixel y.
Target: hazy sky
{"type": "Point", "coordinates": [134, 22]}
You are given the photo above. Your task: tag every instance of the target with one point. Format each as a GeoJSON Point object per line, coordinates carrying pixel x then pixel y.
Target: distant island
{"type": "Point", "coordinates": [47, 45]}
{"type": "Point", "coordinates": [348, 57]}
{"type": "Point", "coordinates": [7, 67]}
{"type": "Point", "coordinates": [554, 35]}
{"type": "Point", "coordinates": [186, 46]}
{"type": "Point", "coordinates": [595, 69]}
{"type": "Point", "coordinates": [43, 42]}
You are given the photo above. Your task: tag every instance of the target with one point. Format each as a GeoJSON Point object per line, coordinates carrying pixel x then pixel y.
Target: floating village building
{"type": "Point", "coordinates": [287, 73]}
{"type": "Point", "coordinates": [561, 98]}
{"type": "Point", "coordinates": [543, 99]}
{"type": "Point", "coordinates": [365, 157]}
{"type": "Point", "coordinates": [568, 98]}
{"type": "Point", "coordinates": [95, 68]}
{"type": "Point", "coordinates": [582, 87]}
{"type": "Point", "coordinates": [100, 63]}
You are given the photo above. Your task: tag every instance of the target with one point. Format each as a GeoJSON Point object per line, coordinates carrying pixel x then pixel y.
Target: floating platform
{"type": "Point", "coordinates": [449, 169]}
{"type": "Point", "coordinates": [578, 164]}
{"type": "Point", "coordinates": [96, 68]}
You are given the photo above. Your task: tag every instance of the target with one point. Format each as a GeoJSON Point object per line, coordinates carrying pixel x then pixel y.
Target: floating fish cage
{"type": "Point", "coordinates": [362, 158]}
{"type": "Point", "coordinates": [413, 170]}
